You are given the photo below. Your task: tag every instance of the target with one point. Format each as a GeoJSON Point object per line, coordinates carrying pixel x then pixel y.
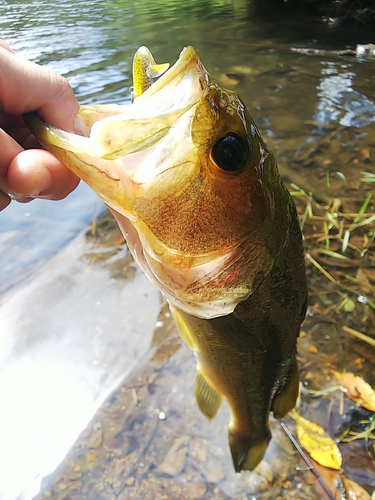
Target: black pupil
{"type": "Point", "coordinates": [230, 152]}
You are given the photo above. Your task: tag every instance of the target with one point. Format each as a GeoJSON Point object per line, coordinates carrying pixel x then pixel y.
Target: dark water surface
{"type": "Point", "coordinates": [77, 317]}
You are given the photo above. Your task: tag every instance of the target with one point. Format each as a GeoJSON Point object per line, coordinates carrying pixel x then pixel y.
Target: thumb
{"type": "Point", "coordinates": [26, 86]}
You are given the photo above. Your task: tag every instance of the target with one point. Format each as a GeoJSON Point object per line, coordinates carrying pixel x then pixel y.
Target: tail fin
{"type": "Point", "coordinates": [246, 452]}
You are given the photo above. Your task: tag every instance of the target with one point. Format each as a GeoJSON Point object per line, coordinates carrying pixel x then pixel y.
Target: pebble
{"type": "Point", "coordinates": [91, 457]}
{"type": "Point", "coordinates": [366, 153]}
{"type": "Point", "coordinates": [227, 81]}
{"type": "Point", "coordinates": [174, 462]}
{"type": "Point", "coordinates": [198, 450]}
{"type": "Point", "coordinates": [243, 70]}
{"type": "Point", "coordinates": [115, 440]}
{"type": "Point", "coordinates": [195, 490]}
{"type": "Point", "coordinates": [95, 439]}
{"type": "Point", "coordinates": [260, 479]}
{"type": "Point", "coordinates": [214, 473]}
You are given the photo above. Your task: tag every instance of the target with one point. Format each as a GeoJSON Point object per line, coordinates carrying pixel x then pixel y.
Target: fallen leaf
{"type": "Point", "coordinates": [363, 281]}
{"type": "Point", "coordinates": [354, 491]}
{"type": "Point", "coordinates": [339, 485]}
{"type": "Point", "coordinates": [320, 446]}
{"type": "Point", "coordinates": [349, 306]}
{"type": "Point", "coordinates": [370, 273]}
{"type": "Point", "coordinates": [357, 389]}
{"type": "Point", "coordinates": [330, 477]}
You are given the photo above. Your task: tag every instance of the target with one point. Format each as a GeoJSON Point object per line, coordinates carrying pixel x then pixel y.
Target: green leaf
{"type": "Point", "coordinates": [349, 306]}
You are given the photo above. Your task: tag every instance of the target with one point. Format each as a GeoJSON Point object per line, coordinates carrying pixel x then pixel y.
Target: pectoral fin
{"type": "Point", "coordinates": [182, 327]}
{"type": "Point", "coordinates": [208, 399]}
{"type": "Point", "coordinates": [285, 400]}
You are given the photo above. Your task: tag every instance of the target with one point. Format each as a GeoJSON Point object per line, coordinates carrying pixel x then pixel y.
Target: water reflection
{"type": "Point", "coordinates": [339, 101]}
{"type": "Point", "coordinates": [30, 234]}
{"type": "Point", "coordinates": [60, 356]}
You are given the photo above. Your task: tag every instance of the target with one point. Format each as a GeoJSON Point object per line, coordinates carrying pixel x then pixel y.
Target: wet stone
{"type": "Point", "coordinates": [261, 478]}
{"type": "Point", "coordinates": [114, 440]}
{"type": "Point", "coordinates": [214, 473]}
{"type": "Point", "coordinates": [174, 462]}
{"type": "Point", "coordinates": [91, 457]}
{"type": "Point", "coordinates": [195, 490]}
{"type": "Point", "coordinates": [118, 467]}
{"type": "Point", "coordinates": [228, 80]}
{"type": "Point", "coordinates": [95, 439]}
{"type": "Point", "coordinates": [198, 450]}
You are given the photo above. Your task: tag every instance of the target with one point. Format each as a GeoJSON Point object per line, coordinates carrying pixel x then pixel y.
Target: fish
{"type": "Point", "coordinates": [206, 215]}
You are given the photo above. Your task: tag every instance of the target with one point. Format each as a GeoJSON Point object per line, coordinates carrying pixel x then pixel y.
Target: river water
{"type": "Point", "coordinates": [77, 318]}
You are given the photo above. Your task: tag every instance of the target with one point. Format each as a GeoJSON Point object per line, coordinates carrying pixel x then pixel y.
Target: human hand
{"type": "Point", "coordinates": [26, 171]}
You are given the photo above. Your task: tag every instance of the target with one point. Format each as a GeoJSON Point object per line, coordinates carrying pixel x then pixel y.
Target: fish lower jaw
{"type": "Point", "coordinates": [198, 290]}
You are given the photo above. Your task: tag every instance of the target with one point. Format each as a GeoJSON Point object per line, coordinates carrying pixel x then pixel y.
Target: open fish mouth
{"type": "Point", "coordinates": [112, 132]}
{"type": "Point", "coordinates": [118, 148]}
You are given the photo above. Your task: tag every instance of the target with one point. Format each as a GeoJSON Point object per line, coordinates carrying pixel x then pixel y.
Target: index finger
{"type": "Point", "coordinates": [26, 86]}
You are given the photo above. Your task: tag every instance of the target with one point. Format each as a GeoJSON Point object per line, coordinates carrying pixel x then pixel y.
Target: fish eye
{"type": "Point", "coordinates": [230, 152]}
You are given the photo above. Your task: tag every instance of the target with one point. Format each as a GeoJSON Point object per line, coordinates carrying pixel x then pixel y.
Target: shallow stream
{"type": "Point", "coordinates": [96, 388]}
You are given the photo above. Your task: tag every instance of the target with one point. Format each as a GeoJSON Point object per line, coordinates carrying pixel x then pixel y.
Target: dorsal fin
{"type": "Point", "coordinates": [182, 327]}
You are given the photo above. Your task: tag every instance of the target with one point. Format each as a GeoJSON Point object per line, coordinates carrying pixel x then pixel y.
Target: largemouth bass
{"type": "Point", "coordinates": [199, 198]}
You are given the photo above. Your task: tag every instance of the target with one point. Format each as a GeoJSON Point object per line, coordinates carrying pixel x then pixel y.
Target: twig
{"type": "Point", "coordinates": [322, 52]}
{"type": "Point", "coordinates": [359, 335]}
{"type": "Point", "coordinates": [306, 459]}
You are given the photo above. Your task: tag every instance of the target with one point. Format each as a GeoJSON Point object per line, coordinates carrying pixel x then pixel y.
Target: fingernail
{"type": "Point", "coordinates": [21, 198]}
{"type": "Point", "coordinates": [79, 127]}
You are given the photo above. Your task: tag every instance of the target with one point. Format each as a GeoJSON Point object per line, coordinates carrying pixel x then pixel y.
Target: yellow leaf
{"type": "Point", "coordinates": [357, 389]}
{"type": "Point", "coordinates": [317, 443]}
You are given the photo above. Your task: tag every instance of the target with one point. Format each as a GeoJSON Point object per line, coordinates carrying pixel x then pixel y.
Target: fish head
{"type": "Point", "coordinates": [190, 181]}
